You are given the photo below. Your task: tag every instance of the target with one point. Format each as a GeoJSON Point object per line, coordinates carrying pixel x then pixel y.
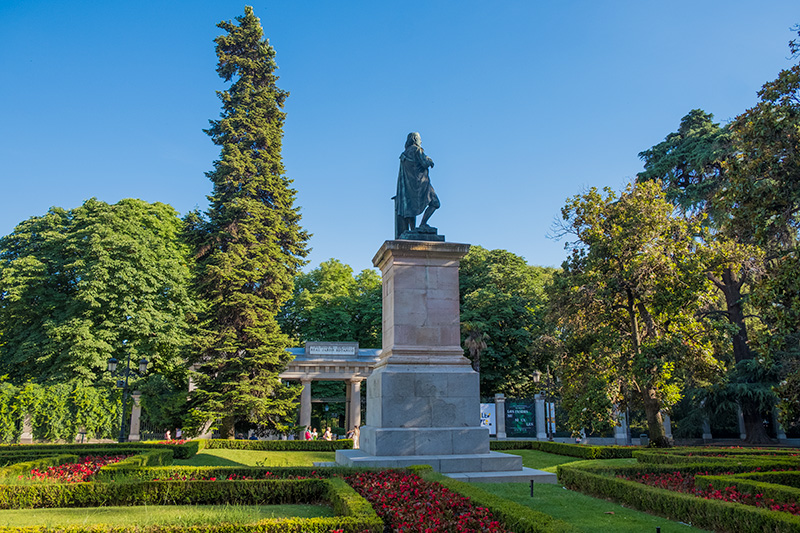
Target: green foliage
{"type": "Point", "coordinates": [164, 403]}
{"type": "Point", "coordinates": [562, 448]}
{"type": "Point", "coordinates": [42, 463]}
{"type": "Point", "coordinates": [628, 305]}
{"type": "Point", "coordinates": [161, 457]}
{"type": "Point", "coordinates": [250, 246]}
{"type": "Point", "coordinates": [80, 286]}
{"type": "Point", "coordinates": [58, 411]}
{"type": "Point", "coordinates": [709, 514]}
{"type": "Point", "coordinates": [280, 445]}
{"type": "Point", "coordinates": [502, 301]}
{"type": "Point", "coordinates": [330, 304]}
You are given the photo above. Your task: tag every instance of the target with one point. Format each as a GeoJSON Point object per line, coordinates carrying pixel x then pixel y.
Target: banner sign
{"type": "Point", "coordinates": [488, 412]}
{"type": "Point", "coordinates": [521, 418]}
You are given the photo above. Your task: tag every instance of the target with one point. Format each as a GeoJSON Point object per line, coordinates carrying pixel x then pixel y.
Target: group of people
{"type": "Point", "coordinates": [311, 434]}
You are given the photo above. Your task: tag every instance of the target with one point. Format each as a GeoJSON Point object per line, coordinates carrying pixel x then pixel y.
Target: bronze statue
{"type": "Point", "coordinates": [415, 194]}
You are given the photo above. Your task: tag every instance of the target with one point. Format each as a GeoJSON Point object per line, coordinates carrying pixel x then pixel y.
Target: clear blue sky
{"type": "Point", "coordinates": [521, 104]}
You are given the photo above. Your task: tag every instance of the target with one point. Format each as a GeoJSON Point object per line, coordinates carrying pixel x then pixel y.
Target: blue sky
{"type": "Point", "coordinates": [521, 104]}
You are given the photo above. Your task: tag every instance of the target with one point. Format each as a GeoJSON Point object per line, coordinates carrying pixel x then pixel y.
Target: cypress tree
{"type": "Point", "coordinates": [250, 246]}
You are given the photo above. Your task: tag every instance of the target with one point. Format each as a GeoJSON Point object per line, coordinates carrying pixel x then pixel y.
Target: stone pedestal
{"type": "Point", "coordinates": [423, 398]}
{"type": "Point", "coordinates": [136, 417]}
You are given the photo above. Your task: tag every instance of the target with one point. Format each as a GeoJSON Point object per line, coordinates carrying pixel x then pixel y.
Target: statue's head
{"type": "Point", "coordinates": [413, 139]}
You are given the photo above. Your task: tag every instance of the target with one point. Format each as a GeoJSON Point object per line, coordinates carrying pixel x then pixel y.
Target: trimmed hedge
{"type": "Point", "coordinates": [710, 514]}
{"type": "Point", "coordinates": [281, 445]}
{"type": "Point", "coordinates": [771, 491]}
{"type": "Point", "coordinates": [180, 451]}
{"type": "Point", "coordinates": [753, 462]}
{"type": "Point", "coordinates": [261, 492]}
{"type": "Point", "coordinates": [23, 468]}
{"type": "Point", "coordinates": [135, 462]}
{"type": "Point", "coordinates": [562, 448]}
{"type": "Point", "coordinates": [223, 472]}
{"type": "Point", "coordinates": [514, 516]}
{"type": "Point", "coordinates": [356, 516]}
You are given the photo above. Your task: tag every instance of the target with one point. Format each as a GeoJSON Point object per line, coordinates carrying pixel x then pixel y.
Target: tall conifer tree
{"type": "Point", "coordinates": [251, 246]}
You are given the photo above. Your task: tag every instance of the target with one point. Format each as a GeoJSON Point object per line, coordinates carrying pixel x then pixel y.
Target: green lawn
{"type": "Point", "coordinates": [584, 512]}
{"type": "Point", "coordinates": [224, 457]}
{"type": "Point", "coordinates": [549, 461]}
{"type": "Point", "coordinates": [163, 515]}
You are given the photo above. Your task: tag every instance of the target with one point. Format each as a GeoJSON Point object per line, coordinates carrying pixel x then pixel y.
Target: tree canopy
{"type": "Point", "coordinates": [80, 286]}
{"type": "Point", "coordinates": [502, 300]}
{"type": "Point", "coordinates": [329, 303]}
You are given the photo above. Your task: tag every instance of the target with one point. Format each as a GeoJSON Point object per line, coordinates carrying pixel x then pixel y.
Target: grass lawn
{"type": "Point", "coordinates": [550, 461]}
{"type": "Point", "coordinates": [181, 515]}
{"type": "Point", "coordinates": [584, 512]}
{"type": "Point", "coordinates": [224, 457]}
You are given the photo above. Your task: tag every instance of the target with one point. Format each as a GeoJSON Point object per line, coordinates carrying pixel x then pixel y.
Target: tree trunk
{"type": "Point", "coordinates": [227, 429]}
{"type": "Point", "coordinates": [732, 289]}
{"type": "Point", "coordinates": [655, 422]}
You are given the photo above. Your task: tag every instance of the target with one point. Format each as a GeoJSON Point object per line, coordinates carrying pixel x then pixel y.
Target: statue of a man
{"type": "Point", "coordinates": [415, 194]}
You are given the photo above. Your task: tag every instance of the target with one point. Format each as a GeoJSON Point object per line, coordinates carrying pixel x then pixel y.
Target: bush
{"type": "Point", "coordinates": [710, 514]}
{"type": "Point", "coordinates": [136, 462]}
{"type": "Point", "coordinates": [184, 450]}
{"type": "Point", "coordinates": [281, 445]}
{"type": "Point", "coordinates": [514, 516]}
{"type": "Point", "coordinates": [769, 491]}
{"type": "Point", "coordinates": [23, 468]}
{"type": "Point", "coordinates": [562, 448]}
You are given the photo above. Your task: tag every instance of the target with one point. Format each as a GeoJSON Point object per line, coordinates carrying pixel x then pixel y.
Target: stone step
{"type": "Point", "coordinates": [526, 475]}
{"type": "Point", "coordinates": [484, 462]}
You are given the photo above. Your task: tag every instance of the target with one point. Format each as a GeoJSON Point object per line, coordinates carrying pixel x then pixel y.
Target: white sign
{"type": "Point", "coordinates": [488, 413]}
{"type": "Point", "coordinates": [333, 348]}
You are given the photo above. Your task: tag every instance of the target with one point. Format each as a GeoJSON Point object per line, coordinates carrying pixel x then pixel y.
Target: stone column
{"type": "Point", "coordinates": [621, 429]}
{"type": "Point", "coordinates": [742, 428]}
{"type": "Point", "coordinates": [354, 404]}
{"type": "Point", "coordinates": [136, 414]}
{"type": "Point", "coordinates": [541, 420]}
{"type": "Point", "coordinates": [779, 432]}
{"type": "Point", "coordinates": [305, 404]}
{"type": "Point", "coordinates": [667, 426]}
{"type": "Point", "coordinates": [27, 430]}
{"type": "Point", "coordinates": [707, 436]}
{"type": "Point", "coordinates": [500, 414]}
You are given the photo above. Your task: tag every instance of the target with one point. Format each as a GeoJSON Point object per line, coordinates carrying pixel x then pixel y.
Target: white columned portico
{"type": "Point", "coordinates": [353, 414]}
{"type": "Point", "coordinates": [305, 404]}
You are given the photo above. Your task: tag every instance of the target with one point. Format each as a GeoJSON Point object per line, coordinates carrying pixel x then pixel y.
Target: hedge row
{"type": "Point", "coordinates": [709, 514]}
{"type": "Point", "coordinates": [180, 451]}
{"type": "Point", "coordinates": [261, 492]}
{"type": "Point", "coordinates": [25, 467]}
{"type": "Point", "coordinates": [790, 478]}
{"type": "Point", "coordinates": [562, 448]}
{"type": "Point", "coordinates": [355, 515]}
{"type": "Point", "coordinates": [678, 460]}
{"type": "Point", "coordinates": [223, 472]}
{"type": "Point", "coordinates": [770, 491]}
{"type": "Point", "coordinates": [514, 516]}
{"type": "Point", "coordinates": [136, 462]}
{"type": "Point", "coordinates": [280, 445]}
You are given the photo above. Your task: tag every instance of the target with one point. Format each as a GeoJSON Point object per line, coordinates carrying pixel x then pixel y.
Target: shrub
{"type": "Point", "coordinates": [135, 462]}
{"type": "Point", "coordinates": [562, 448]}
{"type": "Point", "coordinates": [22, 468]}
{"type": "Point", "coordinates": [281, 445]}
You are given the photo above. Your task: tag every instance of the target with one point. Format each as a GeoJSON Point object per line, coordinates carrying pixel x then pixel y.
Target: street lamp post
{"type": "Point", "coordinates": [123, 384]}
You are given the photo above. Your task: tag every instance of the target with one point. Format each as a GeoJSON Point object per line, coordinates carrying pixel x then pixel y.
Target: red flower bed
{"type": "Point", "coordinates": [407, 503]}
{"type": "Point", "coordinates": [83, 470]}
{"type": "Point", "coordinates": [173, 441]}
{"type": "Point", "coordinates": [680, 482]}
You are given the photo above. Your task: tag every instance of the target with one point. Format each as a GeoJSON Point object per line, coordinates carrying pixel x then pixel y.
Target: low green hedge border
{"type": "Point", "coordinates": [514, 516]}
{"type": "Point", "coordinates": [354, 515]}
{"type": "Point", "coordinates": [790, 478]}
{"type": "Point", "coordinates": [25, 467]}
{"type": "Point", "coordinates": [92, 494]}
{"type": "Point", "coordinates": [280, 445]}
{"type": "Point", "coordinates": [676, 459]}
{"type": "Point", "coordinates": [135, 463]}
{"type": "Point", "coordinates": [223, 472]}
{"type": "Point", "coordinates": [771, 491]}
{"type": "Point", "coordinates": [180, 451]}
{"type": "Point", "coordinates": [562, 448]}
{"type": "Point", "coordinates": [710, 514]}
